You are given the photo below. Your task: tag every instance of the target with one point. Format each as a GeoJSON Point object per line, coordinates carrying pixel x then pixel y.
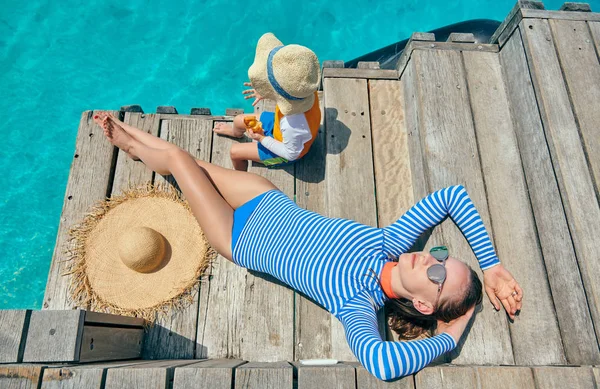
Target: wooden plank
{"type": "Point", "coordinates": [451, 157]}
{"type": "Point", "coordinates": [127, 171]}
{"type": "Point", "coordinates": [110, 343]}
{"type": "Point", "coordinates": [360, 73]}
{"type": "Point", "coordinates": [505, 377]}
{"type": "Point", "coordinates": [13, 332]}
{"type": "Point", "coordinates": [461, 37]}
{"type": "Point", "coordinates": [368, 65]}
{"type": "Point", "coordinates": [563, 377]}
{"type": "Point", "coordinates": [20, 376]}
{"type": "Point", "coordinates": [157, 375]}
{"type": "Point", "coordinates": [54, 336]}
{"type": "Point", "coordinates": [595, 31]}
{"type": "Point", "coordinates": [349, 173]}
{"type": "Point", "coordinates": [564, 15]}
{"type": "Point", "coordinates": [447, 377]}
{"type": "Point", "coordinates": [582, 7]}
{"type": "Point", "coordinates": [364, 380]}
{"type": "Point", "coordinates": [277, 375]}
{"type": "Point", "coordinates": [313, 323]}
{"type": "Point", "coordinates": [581, 70]}
{"type": "Point", "coordinates": [341, 376]}
{"type": "Point", "coordinates": [452, 46]}
{"type": "Point", "coordinates": [73, 378]}
{"type": "Point", "coordinates": [107, 318]}
{"type": "Point", "coordinates": [93, 157]}
{"type": "Point", "coordinates": [209, 374]}
{"type": "Point", "coordinates": [174, 336]}
{"type": "Point", "coordinates": [596, 372]}
{"type": "Point", "coordinates": [535, 334]}
{"type": "Point", "coordinates": [511, 22]}
{"type": "Point", "coordinates": [570, 165]}
{"type": "Point", "coordinates": [551, 223]}
{"type": "Point", "coordinates": [234, 300]}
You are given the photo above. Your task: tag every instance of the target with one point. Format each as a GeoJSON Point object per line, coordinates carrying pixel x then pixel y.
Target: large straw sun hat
{"type": "Point", "coordinates": [287, 74]}
{"type": "Point", "coordinates": [137, 254]}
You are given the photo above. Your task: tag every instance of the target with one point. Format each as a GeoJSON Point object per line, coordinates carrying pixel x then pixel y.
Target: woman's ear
{"type": "Point", "coordinates": [422, 307]}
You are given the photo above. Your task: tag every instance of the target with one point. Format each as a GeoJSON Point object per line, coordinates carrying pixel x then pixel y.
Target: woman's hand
{"type": "Point", "coordinates": [500, 285]}
{"type": "Point", "coordinates": [250, 93]}
{"type": "Point", "coordinates": [456, 327]}
{"type": "Point", "coordinates": [255, 135]}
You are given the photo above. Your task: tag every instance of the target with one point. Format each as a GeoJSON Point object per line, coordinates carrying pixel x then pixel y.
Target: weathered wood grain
{"type": "Point", "coordinates": [551, 224]}
{"type": "Point", "coordinates": [174, 336]}
{"type": "Point", "coordinates": [563, 377]}
{"type": "Point", "coordinates": [20, 376]}
{"type": "Point", "coordinates": [505, 377]}
{"type": "Point", "coordinates": [451, 157]}
{"type": "Point", "coordinates": [73, 378]}
{"type": "Point", "coordinates": [368, 65]}
{"type": "Point", "coordinates": [360, 73]}
{"type": "Point", "coordinates": [535, 334]}
{"type": "Point", "coordinates": [364, 380]}
{"type": "Point", "coordinates": [88, 183]}
{"type": "Point", "coordinates": [209, 374]}
{"type": "Point", "coordinates": [564, 15]}
{"type": "Point", "coordinates": [582, 7]}
{"type": "Point", "coordinates": [340, 376]}
{"type": "Point", "coordinates": [595, 31]}
{"type": "Point", "coordinates": [154, 375]}
{"type": "Point", "coordinates": [313, 323]}
{"type": "Point", "coordinates": [106, 318]}
{"type": "Point", "coordinates": [581, 70]}
{"type": "Point", "coordinates": [447, 377]}
{"type": "Point", "coordinates": [511, 22]}
{"type": "Point", "coordinates": [570, 166]}
{"type": "Point", "coordinates": [255, 375]}
{"type": "Point", "coordinates": [461, 37]}
{"type": "Point", "coordinates": [128, 172]}
{"type": "Point", "coordinates": [349, 173]}
{"type": "Point", "coordinates": [13, 332]}
{"type": "Point", "coordinates": [110, 343]}
{"type": "Point", "coordinates": [54, 336]}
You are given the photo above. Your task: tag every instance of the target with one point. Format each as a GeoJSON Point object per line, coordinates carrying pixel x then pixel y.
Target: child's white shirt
{"type": "Point", "coordinates": [295, 133]}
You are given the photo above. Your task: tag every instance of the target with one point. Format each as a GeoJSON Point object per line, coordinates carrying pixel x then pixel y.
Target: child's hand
{"type": "Point", "coordinates": [255, 135]}
{"type": "Point", "coordinates": [250, 93]}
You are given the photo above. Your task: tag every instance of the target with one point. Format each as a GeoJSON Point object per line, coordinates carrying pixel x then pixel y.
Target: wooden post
{"type": "Point", "coordinates": [200, 111]}
{"type": "Point", "coordinates": [132, 108]}
{"type": "Point", "coordinates": [233, 111]}
{"type": "Point", "coordinates": [167, 109]}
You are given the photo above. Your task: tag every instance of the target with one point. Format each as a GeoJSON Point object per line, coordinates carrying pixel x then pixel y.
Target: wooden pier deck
{"type": "Point", "coordinates": [516, 121]}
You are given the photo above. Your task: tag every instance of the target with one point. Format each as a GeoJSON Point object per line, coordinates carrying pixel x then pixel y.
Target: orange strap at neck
{"type": "Point", "coordinates": [386, 280]}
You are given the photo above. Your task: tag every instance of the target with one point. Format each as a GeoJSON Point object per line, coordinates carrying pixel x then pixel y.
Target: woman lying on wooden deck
{"type": "Point", "coordinates": [341, 264]}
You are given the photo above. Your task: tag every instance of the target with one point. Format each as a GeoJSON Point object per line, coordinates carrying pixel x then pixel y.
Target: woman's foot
{"type": "Point", "coordinates": [116, 134]}
{"type": "Point", "coordinates": [226, 129]}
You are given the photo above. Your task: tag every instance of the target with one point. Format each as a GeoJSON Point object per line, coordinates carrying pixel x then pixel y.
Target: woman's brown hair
{"type": "Point", "coordinates": [409, 323]}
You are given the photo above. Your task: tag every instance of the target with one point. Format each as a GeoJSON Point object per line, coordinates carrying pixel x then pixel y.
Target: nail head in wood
{"type": "Point", "coordinates": [423, 36]}
{"type": "Point", "coordinates": [368, 65]}
{"type": "Point", "coordinates": [234, 111]}
{"type": "Point", "coordinates": [461, 37]}
{"type": "Point", "coordinates": [200, 111]}
{"type": "Point", "coordinates": [333, 64]}
{"type": "Point", "coordinates": [132, 108]}
{"type": "Point", "coordinates": [166, 109]}
{"type": "Point", "coordinates": [577, 7]}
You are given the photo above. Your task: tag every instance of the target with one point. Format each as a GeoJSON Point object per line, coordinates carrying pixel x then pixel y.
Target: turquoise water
{"type": "Point", "coordinates": [60, 58]}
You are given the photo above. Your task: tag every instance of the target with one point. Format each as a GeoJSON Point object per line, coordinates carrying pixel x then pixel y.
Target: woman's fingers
{"type": "Point", "coordinates": [492, 296]}
{"type": "Point", "coordinates": [247, 84]}
{"type": "Point", "coordinates": [245, 92]}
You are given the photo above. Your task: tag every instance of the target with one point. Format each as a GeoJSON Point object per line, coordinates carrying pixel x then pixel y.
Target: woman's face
{"type": "Point", "coordinates": [412, 283]}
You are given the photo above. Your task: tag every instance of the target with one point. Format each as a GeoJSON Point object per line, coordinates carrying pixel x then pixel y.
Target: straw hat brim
{"type": "Point", "coordinates": [102, 282]}
{"type": "Point", "coordinates": [260, 81]}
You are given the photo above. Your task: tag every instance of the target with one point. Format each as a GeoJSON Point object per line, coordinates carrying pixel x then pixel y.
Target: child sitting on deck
{"type": "Point", "coordinates": [290, 76]}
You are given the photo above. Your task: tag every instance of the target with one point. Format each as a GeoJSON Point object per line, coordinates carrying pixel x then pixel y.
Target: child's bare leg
{"type": "Point", "coordinates": [241, 153]}
{"type": "Point", "coordinates": [237, 130]}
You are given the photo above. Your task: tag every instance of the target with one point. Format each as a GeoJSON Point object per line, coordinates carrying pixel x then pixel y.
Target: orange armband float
{"type": "Point", "coordinates": [253, 124]}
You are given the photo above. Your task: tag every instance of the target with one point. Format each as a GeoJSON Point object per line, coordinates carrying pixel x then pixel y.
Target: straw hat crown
{"type": "Point", "coordinates": [142, 249]}
{"type": "Point", "coordinates": [287, 74]}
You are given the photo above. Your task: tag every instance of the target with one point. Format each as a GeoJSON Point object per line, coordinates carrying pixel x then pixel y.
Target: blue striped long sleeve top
{"type": "Point", "coordinates": [328, 259]}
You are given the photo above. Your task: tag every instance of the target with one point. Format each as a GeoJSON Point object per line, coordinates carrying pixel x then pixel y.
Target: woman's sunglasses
{"type": "Point", "coordinates": [437, 272]}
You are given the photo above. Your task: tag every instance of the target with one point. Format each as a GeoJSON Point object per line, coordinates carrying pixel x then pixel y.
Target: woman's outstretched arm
{"type": "Point", "coordinates": [453, 201]}
{"type": "Point", "coordinates": [387, 360]}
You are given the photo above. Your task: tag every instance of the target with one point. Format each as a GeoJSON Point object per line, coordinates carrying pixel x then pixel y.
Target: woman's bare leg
{"type": "Point", "coordinates": [236, 187]}
{"type": "Point", "coordinates": [213, 213]}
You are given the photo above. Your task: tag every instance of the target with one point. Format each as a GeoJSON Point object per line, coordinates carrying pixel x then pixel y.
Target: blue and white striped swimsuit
{"type": "Point", "coordinates": [328, 259]}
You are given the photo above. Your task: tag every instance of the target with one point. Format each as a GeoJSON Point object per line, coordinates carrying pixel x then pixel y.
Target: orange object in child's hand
{"type": "Point", "coordinates": [253, 124]}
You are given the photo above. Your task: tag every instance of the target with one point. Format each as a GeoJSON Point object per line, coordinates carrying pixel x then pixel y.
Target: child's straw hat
{"type": "Point", "coordinates": [287, 74]}
{"type": "Point", "coordinates": [139, 254]}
